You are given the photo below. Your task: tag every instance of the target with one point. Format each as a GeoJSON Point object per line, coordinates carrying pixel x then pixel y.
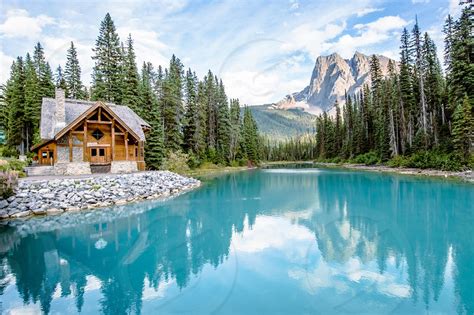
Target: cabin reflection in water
{"type": "Point", "coordinates": [125, 256]}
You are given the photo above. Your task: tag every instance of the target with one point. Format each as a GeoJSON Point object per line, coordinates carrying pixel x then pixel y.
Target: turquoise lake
{"type": "Point", "coordinates": [269, 241]}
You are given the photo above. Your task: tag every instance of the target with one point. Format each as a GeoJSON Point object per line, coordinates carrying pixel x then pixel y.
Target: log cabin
{"type": "Point", "coordinates": [83, 137]}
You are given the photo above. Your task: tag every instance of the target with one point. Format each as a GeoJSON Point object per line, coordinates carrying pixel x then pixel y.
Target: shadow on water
{"type": "Point", "coordinates": [183, 254]}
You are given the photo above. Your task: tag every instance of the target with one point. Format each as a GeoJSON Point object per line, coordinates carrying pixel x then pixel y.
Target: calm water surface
{"type": "Point", "coordinates": [286, 241]}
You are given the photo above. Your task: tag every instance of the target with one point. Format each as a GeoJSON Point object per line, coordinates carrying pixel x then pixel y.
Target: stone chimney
{"type": "Point", "coordinates": [60, 114]}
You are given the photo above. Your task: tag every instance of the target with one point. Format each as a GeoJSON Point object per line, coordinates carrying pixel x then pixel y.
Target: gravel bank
{"type": "Point", "coordinates": [55, 196]}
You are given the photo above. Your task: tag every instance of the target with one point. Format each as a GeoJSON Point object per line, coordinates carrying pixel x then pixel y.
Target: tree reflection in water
{"type": "Point", "coordinates": [371, 217]}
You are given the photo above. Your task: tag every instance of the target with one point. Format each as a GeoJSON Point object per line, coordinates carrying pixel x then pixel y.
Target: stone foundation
{"type": "Point", "coordinates": [72, 168]}
{"type": "Point", "coordinates": [123, 167]}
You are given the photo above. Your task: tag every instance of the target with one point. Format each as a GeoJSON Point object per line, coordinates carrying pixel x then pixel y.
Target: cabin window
{"type": "Point", "coordinates": [136, 152]}
{"type": "Point", "coordinates": [97, 134]}
{"type": "Point", "coordinates": [44, 155]}
{"type": "Point", "coordinates": [94, 152]}
{"type": "Point", "coordinates": [101, 152]}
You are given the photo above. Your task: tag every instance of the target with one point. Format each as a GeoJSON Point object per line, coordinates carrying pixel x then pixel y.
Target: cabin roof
{"type": "Point", "coordinates": [75, 108]}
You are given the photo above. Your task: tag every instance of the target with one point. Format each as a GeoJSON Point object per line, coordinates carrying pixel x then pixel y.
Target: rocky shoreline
{"type": "Point", "coordinates": [467, 176]}
{"type": "Point", "coordinates": [55, 196]}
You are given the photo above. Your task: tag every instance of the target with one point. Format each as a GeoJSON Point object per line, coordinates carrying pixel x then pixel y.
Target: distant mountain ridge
{"type": "Point", "coordinates": [332, 76]}
{"type": "Point", "coordinates": [279, 124]}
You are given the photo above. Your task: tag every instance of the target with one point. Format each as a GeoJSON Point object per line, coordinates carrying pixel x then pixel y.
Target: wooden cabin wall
{"type": "Point", "coordinates": [74, 141]}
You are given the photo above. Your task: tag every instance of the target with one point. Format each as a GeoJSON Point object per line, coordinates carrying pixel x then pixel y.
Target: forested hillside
{"type": "Point", "coordinates": [417, 116]}
{"type": "Point", "coordinates": [192, 119]}
{"type": "Point", "coordinates": [278, 124]}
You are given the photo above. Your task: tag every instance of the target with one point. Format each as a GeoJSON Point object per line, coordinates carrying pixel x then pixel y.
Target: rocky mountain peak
{"type": "Point", "coordinates": [331, 78]}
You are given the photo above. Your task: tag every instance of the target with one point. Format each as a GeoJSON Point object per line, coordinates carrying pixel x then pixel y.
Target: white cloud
{"type": "Point", "coordinates": [147, 45]}
{"type": "Point", "coordinates": [5, 65]}
{"type": "Point", "coordinates": [376, 32]}
{"type": "Point", "coordinates": [294, 5]}
{"type": "Point", "coordinates": [276, 233]}
{"type": "Point", "coordinates": [366, 11]}
{"type": "Point", "coordinates": [306, 37]}
{"type": "Point", "coordinates": [454, 8]}
{"type": "Point", "coordinates": [253, 87]}
{"type": "Point", "coordinates": [19, 23]}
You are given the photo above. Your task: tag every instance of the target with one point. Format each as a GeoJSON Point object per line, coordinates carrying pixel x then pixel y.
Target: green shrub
{"type": "Point", "coordinates": [193, 161]}
{"type": "Point", "coordinates": [212, 155]}
{"type": "Point", "coordinates": [8, 183]}
{"type": "Point", "coordinates": [17, 165]}
{"type": "Point", "coordinates": [176, 162]}
{"type": "Point", "coordinates": [470, 163]}
{"type": "Point", "coordinates": [6, 151]}
{"type": "Point", "coordinates": [429, 159]}
{"type": "Point", "coordinates": [242, 162]}
{"type": "Point", "coordinates": [235, 163]}
{"type": "Point", "coordinates": [7, 165]}
{"type": "Point", "coordinates": [399, 161]}
{"type": "Point", "coordinates": [369, 158]}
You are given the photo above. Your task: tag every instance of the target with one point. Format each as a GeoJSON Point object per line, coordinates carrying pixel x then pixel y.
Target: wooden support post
{"type": "Point", "coordinates": [84, 143]}
{"type": "Point", "coordinates": [139, 156]}
{"type": "Point", "coordinates": [113, 139]}
{"type": "Point", "coordinates": [100, 114]}
{"type": "Point", "coordinates": [70, 146]}
{"type": "Point", "coordinates": [126, 146]}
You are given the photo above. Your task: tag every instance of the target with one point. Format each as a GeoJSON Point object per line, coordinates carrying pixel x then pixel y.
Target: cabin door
{"type": "Point", "coordinates": [99, 155]}
{"type": "Point", "coordinates": [47, 157]}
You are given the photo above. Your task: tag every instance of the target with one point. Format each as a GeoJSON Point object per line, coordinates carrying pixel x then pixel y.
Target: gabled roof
{"type": "Point", "coordinates": [75, 108]}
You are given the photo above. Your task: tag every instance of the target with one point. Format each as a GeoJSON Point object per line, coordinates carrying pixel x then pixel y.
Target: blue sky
{"type": "Point", "coordinates": [263, 50]}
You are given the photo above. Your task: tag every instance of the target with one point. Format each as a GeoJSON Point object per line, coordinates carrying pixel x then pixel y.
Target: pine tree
{"type": "Point", "coordinates": [375, 73]}
{"type": "Point", "coordinates": [407, 104]}
{"type": "Point", "coordinates": [154, 146]}
{"type": "Point", "coordinates": [32, 104]}
{"type": "Point", "coordinates": [394, 109]}
{"type": "Point", "coordinates": [59, 79]}
{"type": "Point", "coordinates": [339, 130]}
{"type": "Point", "coordinates": [250, 137]}
{"type": "Point", "coordinates": [210, 95]}
{"type": "Point", "coordinates": [148, 100]}
{"type": "Point", "coordinates": [130, 95]}
{"type": "Point", "coordinates": [434, 87]}
{"type": "Point", "coordinates": [419, 88]}
{"type": "Point", "coordinates": [191, 118]}
{"type": "Point", "coordinates": [347, 130]}
{"type": "Point", "coordinates": [463, 127]}
{"type": "Point", "coordinates": [15, 98]}
{"type": "Point", "coordinates": [172, 104]}
{"type": "Point", "coordinates": [448, 31]}
{"type": "Point", "coordinates": [201, 132]}
{"type": "Point", "coordinates": [158, 83]}
{"type": "Point", "coordinates": [72, 75]}
{"type": "Point", "coordinates": [462, 59]}
{"type": "Point", "coordinates": [43, 71]}
{"type": "Point", "coordinates": [107, 72]}
{"type": "Point", "coordinates": [234, 132]}
{"type": "Point", "coordinates": [223, 125]}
